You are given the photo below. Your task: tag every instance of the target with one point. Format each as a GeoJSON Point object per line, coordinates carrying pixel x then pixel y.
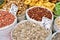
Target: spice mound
{"type": "Point", "coordinates": [37, 13]}
{"type": "Point", "coordinates": [6, 18]}
{"type": "Point", "coordinates": [56, 37]}
{"type": "Point", "coordinates": [29, 31]}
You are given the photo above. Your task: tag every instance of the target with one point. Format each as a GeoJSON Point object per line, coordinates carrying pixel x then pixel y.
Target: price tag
{"type": "Point", "coordinates": [46, 22]}
{"type": "Point", "coordinates": [14, 9]}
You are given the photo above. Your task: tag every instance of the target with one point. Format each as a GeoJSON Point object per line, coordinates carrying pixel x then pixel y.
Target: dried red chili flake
{"type": "Point", "coordinates": [6, 18]}
{"type": "Point", "coordinates": [37, 13]}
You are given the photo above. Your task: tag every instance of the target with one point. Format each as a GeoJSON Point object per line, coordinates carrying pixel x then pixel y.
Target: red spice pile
{"type": "Point", "coordinates": [6, 18]}
{"type": "Point", "coordinates": [37, 13]}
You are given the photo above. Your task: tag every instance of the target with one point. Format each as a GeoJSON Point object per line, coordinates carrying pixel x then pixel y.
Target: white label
{"type": "Point", "coordinates": [14, 9]}
{"type": "Point", "coordinates": [46, 22]}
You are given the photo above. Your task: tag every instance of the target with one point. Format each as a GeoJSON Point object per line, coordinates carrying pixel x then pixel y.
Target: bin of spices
{"type": "Point", "coordinates": [7, 23]}
{"type": "Point", "coordinates": [28, 30]}
{"type": "Point", "coordinates": [57, 24]}
{"type": "Point", "coordinates": [39, 15]}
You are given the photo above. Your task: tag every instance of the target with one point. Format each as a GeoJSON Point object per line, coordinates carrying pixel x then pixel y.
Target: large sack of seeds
{"type": "Point", "coordinates": [40, 15]}
{"type": "Point", "coordinates": [28, 30]}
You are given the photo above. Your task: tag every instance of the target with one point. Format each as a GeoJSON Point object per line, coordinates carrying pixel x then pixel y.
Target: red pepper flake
{"type": "Point", "coordinates": [6, 18]}
{"type": "Point", "coordinates": [37, 13]}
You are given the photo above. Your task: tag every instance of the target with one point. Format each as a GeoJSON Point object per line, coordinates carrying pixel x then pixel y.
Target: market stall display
{"type": "Point", "coordinates": [28, 30]}
{"type": "Point", "coordinates": [43, 14]}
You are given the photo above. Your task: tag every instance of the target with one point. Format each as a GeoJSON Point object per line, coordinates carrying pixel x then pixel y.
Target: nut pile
{"type": "Point", "coordinates": [44, 3]}
{"type": "Point", "coordinates": [29, 31]}
{"type": "Point", "coordinates": [56, 37]}
{"type": "Point", "coordinates": [21, 6]}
